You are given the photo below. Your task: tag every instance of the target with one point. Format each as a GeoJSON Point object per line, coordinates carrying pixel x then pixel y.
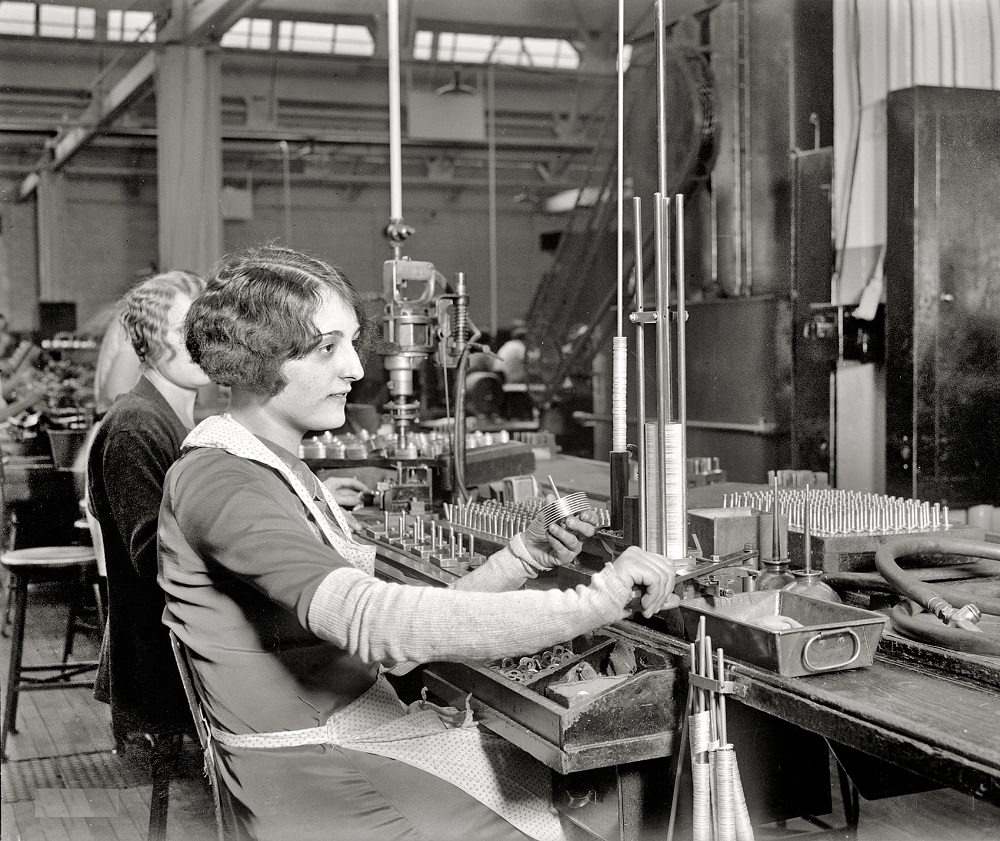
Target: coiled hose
{"type": "Point", "coordinates": [938, 599]}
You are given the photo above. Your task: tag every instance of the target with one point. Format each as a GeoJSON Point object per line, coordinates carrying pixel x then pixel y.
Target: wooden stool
{"type": "Point", "coordinates": [27, 566]}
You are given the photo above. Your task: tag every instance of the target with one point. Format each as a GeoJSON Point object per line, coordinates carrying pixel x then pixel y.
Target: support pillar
{"type": "Point", "coordinates": [52, 231]}
{"type": "Point", "coordinates": [189, 158]}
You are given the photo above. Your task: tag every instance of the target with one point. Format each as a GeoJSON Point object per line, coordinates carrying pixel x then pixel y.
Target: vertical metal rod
{"type": "Point", "coordinates": [681, 360]}
{"type": "Point", "coordinates": [807, 533]}
{"type": "Point", "coordinates": [662, 382]}
{"type": "Point", "coordinates": [619, 350]}
{"type": "Point", "coordinates": [395, 131]}
{"type": "Point", "coordinates": [775, 525]}
{"type": "Point", "coordinates": [621, 159]}
{"type": "Point", "coordinates": [723, 735]}
{"type": "Point", "coordinates": [661, 98]}
{"type": "Point", "coordinates": [492, 177]}
{"type": "Point", "coordinates": [640, 360]}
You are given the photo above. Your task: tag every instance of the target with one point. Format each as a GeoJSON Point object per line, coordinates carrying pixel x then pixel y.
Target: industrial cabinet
{"type": "Point", "coordinates": [942, 267]}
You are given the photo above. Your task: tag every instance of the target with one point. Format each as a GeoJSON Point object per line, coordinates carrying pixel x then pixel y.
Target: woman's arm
{"type": "Point", "coordinates": [388, 623]}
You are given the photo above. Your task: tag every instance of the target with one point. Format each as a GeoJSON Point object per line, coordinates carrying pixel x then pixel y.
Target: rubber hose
{"type": "Point", "coordinates": [872, 582]}
{"type": "Point", "coordinates": [970, 642]}
{"type": "Point", "coordinates": [902, 614]}
{"type": "Point", "coordinates": [918, 591]}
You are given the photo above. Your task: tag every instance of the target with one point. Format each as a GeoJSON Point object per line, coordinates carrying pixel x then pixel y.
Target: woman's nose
{"type": "Point", "coordinates": [353, 369]}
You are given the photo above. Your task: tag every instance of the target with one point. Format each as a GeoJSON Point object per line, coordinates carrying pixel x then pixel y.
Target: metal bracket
{"type": "Point", "coordinates": [722, 687]}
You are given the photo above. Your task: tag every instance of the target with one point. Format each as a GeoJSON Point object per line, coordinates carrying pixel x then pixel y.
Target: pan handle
{"type": "Point", "coordinates": [822, 635]}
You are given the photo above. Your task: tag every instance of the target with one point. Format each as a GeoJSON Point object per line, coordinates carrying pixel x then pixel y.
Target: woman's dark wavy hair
{"type": "Point", "coordinates": [257, 312]}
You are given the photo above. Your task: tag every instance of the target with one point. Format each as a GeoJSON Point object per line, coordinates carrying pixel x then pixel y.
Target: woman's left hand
{"type": "Point", "coordinates": [347, 491]}
{"type": "Point", "coordinates": [563, 541]}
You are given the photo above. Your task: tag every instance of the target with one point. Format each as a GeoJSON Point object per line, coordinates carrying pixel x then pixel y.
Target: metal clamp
{"type": "Point", "coordinates": [722, 687]}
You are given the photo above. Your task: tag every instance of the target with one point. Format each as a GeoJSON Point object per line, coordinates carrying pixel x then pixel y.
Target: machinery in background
{"type": "Point", "coordinates": [423, 319]}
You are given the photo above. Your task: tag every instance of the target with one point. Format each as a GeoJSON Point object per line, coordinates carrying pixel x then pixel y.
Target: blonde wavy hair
{"type": "Point", "coordinates": [143, 311]}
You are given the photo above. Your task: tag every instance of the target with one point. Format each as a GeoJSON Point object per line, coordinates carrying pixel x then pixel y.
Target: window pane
{"type": "Point", "coordinates": [86, 23]}
{"type": "Point", "coordinates": [422, 45]}
{"type": "Point", "coordinates": [57, 21]}
{"type": "Point", "coordinates": [311, 37]}
{"type": "Point", "coordinates": [17, 18]}
{"type": "Point", "coordinates": [471, 48]}
{"type": "Point", "coordinates": [237, 35]}
{"type": "Point", "coordinates": [551, 52]}
{"type": "Point", "coordinates": [127, 26]}
{"type": "Point", "coordinates": [248, 33]}
{"type": "Point", "coordinates": [474, 48]}
{"type": "Point", "coordinates": [260, 34]}
{"type": "Point", "coordinates": [353, 40]}
{"type": "Point", "coordinates": [507, 51]}
{"type": "Point", "coordinates": [286, 29]}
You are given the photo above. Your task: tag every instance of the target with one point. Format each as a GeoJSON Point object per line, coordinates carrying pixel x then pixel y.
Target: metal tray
{"type": "Point", "coordinates": [832, 637]}
{"type": "Point", "coordinates": [634, 720]}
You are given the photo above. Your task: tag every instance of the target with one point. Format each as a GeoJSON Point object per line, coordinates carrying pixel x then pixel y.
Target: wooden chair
{"type": "Point", "coordinates": [201, 723]}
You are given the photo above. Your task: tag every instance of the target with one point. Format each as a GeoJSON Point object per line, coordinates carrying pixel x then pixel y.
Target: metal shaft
{"type": "Point", "coordinates": [640, 359]}
{"type": "Point", "coordinates": [681, 361]}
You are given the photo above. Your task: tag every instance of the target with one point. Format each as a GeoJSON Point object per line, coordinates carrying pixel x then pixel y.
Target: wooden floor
{"type": "Point", "coordinates": [64, 782]}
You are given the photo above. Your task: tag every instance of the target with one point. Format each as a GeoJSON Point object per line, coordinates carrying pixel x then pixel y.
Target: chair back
{"type": "Point", "coordinates": [202, 727]}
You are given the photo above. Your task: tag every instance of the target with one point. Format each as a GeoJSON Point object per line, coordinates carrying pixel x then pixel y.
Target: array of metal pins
{"type": "Point", "coordinates": [446, 548]}
{"type": "Point", "coordinates": [834, 512]}
{"type": "Point", "coordinates": [504, 520]}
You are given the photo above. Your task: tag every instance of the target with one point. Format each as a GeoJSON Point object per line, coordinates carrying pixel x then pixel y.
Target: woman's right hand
{"type": "Point", "coordinates": [652, 574]}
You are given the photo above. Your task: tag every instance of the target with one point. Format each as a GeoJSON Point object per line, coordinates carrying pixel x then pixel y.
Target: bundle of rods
{"type": "Point", "coordinates": [719, 809]}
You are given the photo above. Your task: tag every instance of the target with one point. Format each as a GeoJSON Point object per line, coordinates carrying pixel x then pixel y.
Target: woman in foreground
{"type": "Point", "coordinates": [289, 630]}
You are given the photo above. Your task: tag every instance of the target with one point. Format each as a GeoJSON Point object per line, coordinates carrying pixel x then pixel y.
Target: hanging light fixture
{"type": "Point", "coordinates": [456, 85]}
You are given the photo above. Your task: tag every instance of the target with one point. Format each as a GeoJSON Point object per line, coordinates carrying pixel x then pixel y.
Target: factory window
{"type": "Point", "coordinates": [66, 22]}
{"type": "Point", "coordinates": [353, 40]}
{"type": "Point", "coordinates": [17, 18]}
{"type": "Point", "coordinates": [248, 34]}
{"type": "Point", "coordinates": [495, 49]}
{"type": "Point", "coordinates": [130, 26]}
{"type": "Point", "coordinates": [341, 38]}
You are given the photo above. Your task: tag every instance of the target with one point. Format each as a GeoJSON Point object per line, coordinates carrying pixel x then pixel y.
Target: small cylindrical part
{"type": "Point", "coordinates": [619, 398]}
{"type": "Point", "coordinates": [619, 467]}
{"type": "Point", "coordinates": [664, 514]}
{"type": "Point", "coordinates": [460, 332]}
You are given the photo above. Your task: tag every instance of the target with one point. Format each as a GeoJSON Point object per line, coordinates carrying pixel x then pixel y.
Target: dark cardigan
{"type": "Point", "coordinates": [139, 438]}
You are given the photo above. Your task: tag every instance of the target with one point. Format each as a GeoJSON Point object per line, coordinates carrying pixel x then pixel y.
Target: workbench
{"type": "Point", "coordinates": [916, 706]}
{"type": "Point", "coordinates": [918, 718]}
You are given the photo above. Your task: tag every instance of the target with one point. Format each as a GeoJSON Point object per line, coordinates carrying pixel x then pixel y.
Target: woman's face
{"type": "Point", "coordinates": [317, 384]}
{"type": "Point", "coordinates": [176, 365]}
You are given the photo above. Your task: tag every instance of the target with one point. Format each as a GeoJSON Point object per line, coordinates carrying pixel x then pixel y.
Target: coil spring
{"type": "Point", "coordinates": [460, 333]}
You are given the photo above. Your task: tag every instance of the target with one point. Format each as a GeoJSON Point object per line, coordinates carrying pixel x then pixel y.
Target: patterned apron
{"type": "Point", "coordinates": [442, 741]}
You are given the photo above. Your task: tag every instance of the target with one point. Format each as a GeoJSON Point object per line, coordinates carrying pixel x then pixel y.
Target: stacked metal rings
{"type": "Point", "coordinates": [526, 669]}
{"type": "Point", "coordinates": [558, 509]}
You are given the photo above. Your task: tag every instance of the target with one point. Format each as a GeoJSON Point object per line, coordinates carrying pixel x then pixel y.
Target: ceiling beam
{"type": "Point", "coordinates": [201, 21]}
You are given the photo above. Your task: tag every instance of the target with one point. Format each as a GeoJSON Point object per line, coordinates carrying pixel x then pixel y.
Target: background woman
{"type": "Point", "coordinates": [139, 438]}
{"type": "Point", "coordinates": [288, 628]}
